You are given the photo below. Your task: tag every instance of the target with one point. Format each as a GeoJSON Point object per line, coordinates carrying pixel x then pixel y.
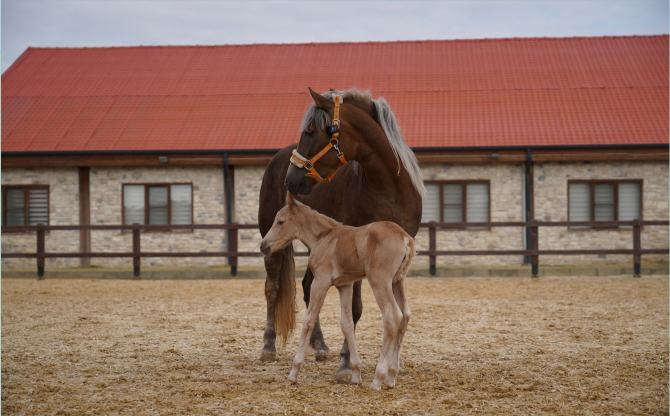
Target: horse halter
{"type": "Point", "coordinates": [301, 162]}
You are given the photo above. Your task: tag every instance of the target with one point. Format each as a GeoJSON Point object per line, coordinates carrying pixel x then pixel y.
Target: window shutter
{"type": "Point", "coordinates": [453, 202]}
{"type": "Point", "coordinates": [133, 204]}
{"type": "Point", "coordinates": [580, 202]}
{"type": "Point", "coordinates": [38, 206]}
{"type": "Point", "coordinates": [14, 206]}
{"type": "Point", "coordinates": [477, 202]}
{"type": "Point", "coordinates": [158, 205]}
{"type": "Point", "coordinates": [629, 201]}
{"type": "Point", "coordinates": [603, 195]}
{"type": "Point", "coordinates": [431, 203]}
{"type": "Point", "coordinates": [180, 204]}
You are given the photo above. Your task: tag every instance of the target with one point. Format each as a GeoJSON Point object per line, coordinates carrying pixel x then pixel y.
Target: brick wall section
{"type": "Point", "coordinates": [63, 210]}
{"type": "Point", "coordinates": [208, 208]}
{"type": "Point", "coordinates": [506, 205]}
{"type": "Point", "coordinates": [551, 204]}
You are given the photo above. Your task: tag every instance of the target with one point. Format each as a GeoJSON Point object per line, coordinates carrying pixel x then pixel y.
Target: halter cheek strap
{"type": "Point", "coordinates": [301, 162]}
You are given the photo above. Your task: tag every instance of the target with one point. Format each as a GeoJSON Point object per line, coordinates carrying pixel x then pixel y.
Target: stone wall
{"type": "Point", "coordinates": [551, 204]}
{"type": "Point", "coordinates": [63, 210]}
{"type": "Point", "coordinates": [506, 205]}
{"type": "Point", "coordinates": [208, 208]}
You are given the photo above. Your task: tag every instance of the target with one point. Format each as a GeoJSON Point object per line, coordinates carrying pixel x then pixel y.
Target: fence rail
{"type": "Point", "coordinates": [433, 227]}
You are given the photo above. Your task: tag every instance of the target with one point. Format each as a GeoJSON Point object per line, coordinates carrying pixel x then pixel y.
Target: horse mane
{"type": "Point", "coordinates": [320, 119]}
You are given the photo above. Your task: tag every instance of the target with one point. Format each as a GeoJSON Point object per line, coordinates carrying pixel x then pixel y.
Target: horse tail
{"type": "Point", "coordinates": [285, 308]}
{"type": "Point", "coordinates": [410, 250]}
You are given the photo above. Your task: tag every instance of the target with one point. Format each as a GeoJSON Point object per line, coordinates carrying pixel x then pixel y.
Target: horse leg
{"type": "Point", "coordinates": [318, 294]}
{"type": "Point", "coordinates": [344, 372]}
{"type": "Point", "coordinates": [394, 363]}
{"type": "Point", "coordinates": [316, 341]}
{"type": "Point", "coordinates": [273, 265]}
{"type": "Point", "coordinates": [392, 318]}
{"type": "Point", "coordinates": [347, 324]}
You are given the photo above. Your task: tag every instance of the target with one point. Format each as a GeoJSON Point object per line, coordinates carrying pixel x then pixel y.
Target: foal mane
{"type": "Point", "coordinates": [403, 154]}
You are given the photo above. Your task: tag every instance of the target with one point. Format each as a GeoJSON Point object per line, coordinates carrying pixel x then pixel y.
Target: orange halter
{"type": "Point", "coordinates": [301, 162]}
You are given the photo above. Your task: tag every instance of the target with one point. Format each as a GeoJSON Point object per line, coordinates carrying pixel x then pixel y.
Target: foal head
{"type": "Point", "coordinates": [285, 228]}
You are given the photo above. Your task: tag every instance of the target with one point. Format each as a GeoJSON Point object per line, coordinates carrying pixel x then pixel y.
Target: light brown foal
{"type": "Point", "coordinates": [339, 256]}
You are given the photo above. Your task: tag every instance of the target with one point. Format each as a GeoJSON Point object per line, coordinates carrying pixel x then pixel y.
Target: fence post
{"type": "Point", "coordinates": [637, 246]}
{"type": "Point", "coordinates": [136, 250]}
{"type": "Point", "coordinates": [233, 247]}
{"type": "Point", "coordinates": [40, 250]}
{"type": "Point", "coordinates": [534, 243]}
{"type": "Point", "coordinates": [432, 247]}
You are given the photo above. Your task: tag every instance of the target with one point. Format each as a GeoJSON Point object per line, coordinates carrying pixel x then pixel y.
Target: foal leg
{"type": "Point", "coordinates": [347, 324]}
{"type": "Point", "coordinates": [318, 294]}
{"type": "Point", "coordinates": [321, 350]}
{"type": "Point", "coordinates": [394, 362]}
{"type": "Point", "coordinates": [344, 372]}
{"type": "Point", "coordinates": [273, 265]}
{"type": "Point", "coordinates": [392, 317]}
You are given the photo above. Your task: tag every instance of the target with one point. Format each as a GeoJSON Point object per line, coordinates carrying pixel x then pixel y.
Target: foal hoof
{"type": "Point", "coordinates": [344, 377]}
{"type": "Point", "coordinates": [268, 356]}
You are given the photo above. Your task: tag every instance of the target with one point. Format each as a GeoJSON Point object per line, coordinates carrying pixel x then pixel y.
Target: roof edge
{"type": "Point", "coordinates": [266, 151]}
{"type": "Point", "coordinates": [359, 43]}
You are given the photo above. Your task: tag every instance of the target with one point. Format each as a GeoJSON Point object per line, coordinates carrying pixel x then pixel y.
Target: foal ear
{"type": "Point", "coordinates": [290, 201]}
{"type": "Point", "coordinates": [321, 101]}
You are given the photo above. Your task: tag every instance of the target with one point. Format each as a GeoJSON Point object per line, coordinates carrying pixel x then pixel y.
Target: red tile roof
{"type": "Point", "coordinates": [490, 92]}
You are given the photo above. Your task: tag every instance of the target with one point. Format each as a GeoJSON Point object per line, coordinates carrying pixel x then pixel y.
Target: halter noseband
{"type": "Point", "coordinates": [301, 162]}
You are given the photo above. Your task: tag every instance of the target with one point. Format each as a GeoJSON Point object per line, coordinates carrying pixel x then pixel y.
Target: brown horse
{"type": "Point", "coordinates": [381, 181]}
{"type": "Point", "coordinates": [339, 256]}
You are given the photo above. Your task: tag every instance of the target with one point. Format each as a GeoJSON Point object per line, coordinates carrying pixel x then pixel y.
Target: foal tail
{"type": "Point", "coordinates": [410, 250]}
{"type": "Point", "coordinates": [285, 308]}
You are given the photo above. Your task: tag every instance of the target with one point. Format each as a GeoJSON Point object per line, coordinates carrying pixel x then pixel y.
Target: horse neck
{"type": "Point", "coordinates": [380, 164]}
{"type": "Point", "coordinates": [313, 226]}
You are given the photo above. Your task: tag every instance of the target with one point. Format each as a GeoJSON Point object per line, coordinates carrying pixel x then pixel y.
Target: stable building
{"type": "Point", "coordinates": [553, 129]}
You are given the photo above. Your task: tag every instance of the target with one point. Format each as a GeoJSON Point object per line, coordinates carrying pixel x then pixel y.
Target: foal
{"type": "Point", "coordinates": [339, 256]}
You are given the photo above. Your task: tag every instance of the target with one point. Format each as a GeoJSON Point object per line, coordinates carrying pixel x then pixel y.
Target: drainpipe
{"type": "Point", "coordinates": [528, 207]}
{"type": "Point", "coordinates": [229, 214]}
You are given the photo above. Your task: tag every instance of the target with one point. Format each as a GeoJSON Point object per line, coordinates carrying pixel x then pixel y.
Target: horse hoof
{"type": "Point", "coordinates": [344, 377]}
{"type": "Point", "coordinates": [376, 385]}
{"type": "Point", "coordinates": [321, 355]}
{"type": "Point", "coordinates": [268, 356]}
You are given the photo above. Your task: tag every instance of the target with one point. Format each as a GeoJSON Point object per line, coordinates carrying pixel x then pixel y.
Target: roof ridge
{"type": "Point", "coordinates": [501, 39]}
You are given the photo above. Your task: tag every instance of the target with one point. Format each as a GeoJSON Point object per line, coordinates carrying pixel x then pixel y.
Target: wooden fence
{"type": "Point", "coordinates": [433, 227]}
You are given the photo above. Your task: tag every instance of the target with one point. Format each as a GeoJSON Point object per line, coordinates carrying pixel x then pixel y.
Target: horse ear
{"type": "Point", "coordinates": [321, 101]}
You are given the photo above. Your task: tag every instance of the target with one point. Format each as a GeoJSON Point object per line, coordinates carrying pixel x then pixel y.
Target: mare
{"type": "Point", "coordinates": [381, 182]}
{"type": "Point", "coordinates": [339, 256]}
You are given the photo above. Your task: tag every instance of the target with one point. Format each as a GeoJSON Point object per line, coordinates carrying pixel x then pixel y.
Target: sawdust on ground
{"type": "Point", "coordinates": [563, 345]}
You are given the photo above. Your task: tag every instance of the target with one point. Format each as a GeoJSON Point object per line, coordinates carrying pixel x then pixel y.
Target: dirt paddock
{"type": "Point", "coordinates": [563, 345]}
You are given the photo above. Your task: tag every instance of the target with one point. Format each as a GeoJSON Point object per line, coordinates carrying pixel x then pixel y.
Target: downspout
{"type": "Point", "coordinates": [229, 214]}
{"type": "Point", "coordinates": [529, 204]}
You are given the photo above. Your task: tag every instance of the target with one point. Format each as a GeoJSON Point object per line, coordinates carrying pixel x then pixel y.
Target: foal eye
{"type": "Point", "coordinates": [281, 222]}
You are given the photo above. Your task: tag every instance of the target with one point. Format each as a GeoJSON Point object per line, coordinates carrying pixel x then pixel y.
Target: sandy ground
{"type": "Point", "coordinates": [568, 345]}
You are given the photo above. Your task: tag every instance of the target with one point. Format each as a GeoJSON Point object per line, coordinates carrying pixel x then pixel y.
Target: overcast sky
{"type": "Point", "coordinates": [49, 23]}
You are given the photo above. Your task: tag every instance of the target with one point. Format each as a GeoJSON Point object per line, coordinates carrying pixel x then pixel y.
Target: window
{"type": "Point", "coordinates": [25, 205]}
{"type": "Point", "coordinates": [604, 200]}
{"type": "Point", "coordinates": [463, 201]}
{"type": "Point", "coordinates": [157, 204]}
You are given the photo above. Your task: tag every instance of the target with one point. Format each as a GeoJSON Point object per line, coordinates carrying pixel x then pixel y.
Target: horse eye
{"type": "Point", "coordinates": [281, 222]}
{"type": "Point", "coordinates": [309, 132]}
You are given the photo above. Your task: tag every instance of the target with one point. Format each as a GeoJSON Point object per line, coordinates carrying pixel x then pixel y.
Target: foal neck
{"type": "Point", "coordinates": [313, 226]}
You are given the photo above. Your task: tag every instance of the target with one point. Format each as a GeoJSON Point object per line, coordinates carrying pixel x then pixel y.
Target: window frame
{"type": "Point", "coordinates": [147, 185]}
{"type": "Point", "coordinates": [464, 183]}
{"type": "Point", "coordinates": [616, 182]}
{"type": "Point", "coordinates": [25, 204]}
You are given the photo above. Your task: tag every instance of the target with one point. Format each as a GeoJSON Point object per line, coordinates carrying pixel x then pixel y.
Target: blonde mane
{"type": "Point", "coordinates": [319, 119]}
